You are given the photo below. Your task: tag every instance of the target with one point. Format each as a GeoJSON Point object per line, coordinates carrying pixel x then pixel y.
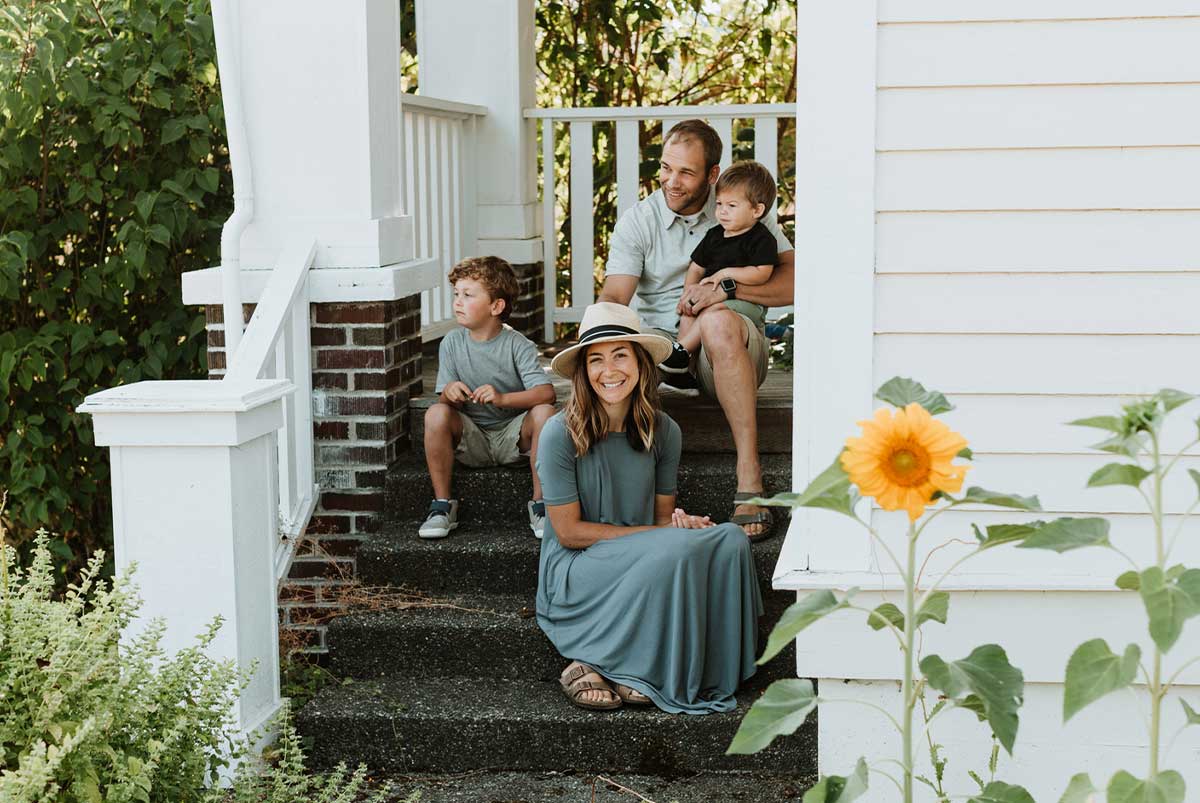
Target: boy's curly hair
{"type": "Point", "coordinates": [751, 178]}
{"type": "Point", "coordinates": [496, 276]}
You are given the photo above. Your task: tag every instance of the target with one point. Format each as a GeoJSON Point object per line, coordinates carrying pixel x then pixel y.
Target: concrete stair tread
{"type": "Point", "coordinates": [465, 633]}
{"type": "Point", "coordinates": [560, 787]}
{"type": "Point", "coordinates": [463, 724]}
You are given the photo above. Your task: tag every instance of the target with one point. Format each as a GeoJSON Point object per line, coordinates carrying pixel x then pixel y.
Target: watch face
{"type": "Point", "coordinates": [729, 286]}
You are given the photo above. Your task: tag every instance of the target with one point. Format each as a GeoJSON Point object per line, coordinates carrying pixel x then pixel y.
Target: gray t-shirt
{"type": "Point", "coordinates": [507, 362]}
{"type": "Point", "coordinates": [655, 244]}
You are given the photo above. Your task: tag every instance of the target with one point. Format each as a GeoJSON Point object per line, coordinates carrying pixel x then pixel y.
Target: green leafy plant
{"type": "Point", "coordinates": [1170, 593]}
{"type": "Point", "coordinates": [115, 180]}
{"type": "Point", "coordinates": [83, 720]}
{"type": "Point", "coordinates": [904, 461]}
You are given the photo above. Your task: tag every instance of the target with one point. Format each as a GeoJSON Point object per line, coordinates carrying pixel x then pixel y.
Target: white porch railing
{"type": "Point", "coordinates": [579, 122]}
{"type": "Point", "coordinates": [276, 345]}
{"type": "Point", "coordinates": [441, 164]}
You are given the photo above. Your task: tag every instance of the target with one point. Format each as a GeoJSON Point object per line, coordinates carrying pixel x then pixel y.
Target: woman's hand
{"type": "Point", "coordinates": [689, 522]}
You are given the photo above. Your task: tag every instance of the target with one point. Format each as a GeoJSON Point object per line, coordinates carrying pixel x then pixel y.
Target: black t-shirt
{"type": "Point", "coordinates": [755, 246]}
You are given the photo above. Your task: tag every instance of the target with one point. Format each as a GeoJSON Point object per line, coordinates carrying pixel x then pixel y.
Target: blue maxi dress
{"type": "Point", "coordinates": [670, 612]}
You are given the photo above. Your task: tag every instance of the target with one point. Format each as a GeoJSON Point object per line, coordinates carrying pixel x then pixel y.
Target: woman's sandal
{"type": "Point", "coordinates": [631, 696]}
{"type": "Point", "coordinates": [574, 686]}
{"type": "Point", "coordinates": [762, 517]}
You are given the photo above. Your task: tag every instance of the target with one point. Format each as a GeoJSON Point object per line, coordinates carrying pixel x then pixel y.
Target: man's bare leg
{"type": "Point", "coordinates": [723, 336]}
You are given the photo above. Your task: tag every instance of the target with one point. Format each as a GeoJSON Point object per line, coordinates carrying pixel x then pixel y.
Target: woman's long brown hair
{"type": "Point", "coordinates": [585, 416]}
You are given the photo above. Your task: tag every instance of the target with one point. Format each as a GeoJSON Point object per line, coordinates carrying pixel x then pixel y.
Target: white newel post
{"type": "Point", "coordinates": [321, 93]}
{"type": "Point", "coordinates": [483, 53]}
{"type": "Point", "coordinates": [196, 508]}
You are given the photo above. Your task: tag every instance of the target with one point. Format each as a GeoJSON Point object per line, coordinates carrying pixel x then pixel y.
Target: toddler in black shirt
{"type": "Point", "coordinates": [740, 248]}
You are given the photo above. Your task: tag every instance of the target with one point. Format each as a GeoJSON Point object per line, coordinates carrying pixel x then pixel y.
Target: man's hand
{"type": "Point", "coordinates": [456, 392]}
{"type": "Point", "coordinates": [698, 296]}
{"type": "Point", "coordinates": [486, 394]}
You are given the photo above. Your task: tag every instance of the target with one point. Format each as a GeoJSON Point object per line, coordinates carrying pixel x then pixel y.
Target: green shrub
{"type": "Point", "coordinates": [83, 721]}
{"type": "Point", "coordinates": [115, 180]}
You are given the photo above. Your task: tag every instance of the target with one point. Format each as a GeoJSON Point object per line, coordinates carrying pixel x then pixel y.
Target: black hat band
{"type": "Point", "coordinates": [606, 330]}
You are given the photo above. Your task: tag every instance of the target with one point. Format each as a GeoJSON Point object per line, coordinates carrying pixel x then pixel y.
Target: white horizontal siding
{"type": "Point", "coordinates": [1104, 178]}
{"type": "Point", "coordinates": [1071, 303]}
{"type": "Point", "coordinates": [953, 10]}
{"type": "Point", "coordinates": [1025, 364]}
{"type": "Point", "coordinates": [1077, 52]}
{"type": "Point", "coordinates": [1006, 424]}
{"type": "Point", "coordinates": [949, 537]}
{"type": "Point", "coordinates": [1038, 241]}
{"type": "Point", "coordinates": [1039, 117]}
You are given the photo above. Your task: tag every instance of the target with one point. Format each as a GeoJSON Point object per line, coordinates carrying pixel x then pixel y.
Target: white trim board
{"type": "Point", "coordinates": [325, 284]}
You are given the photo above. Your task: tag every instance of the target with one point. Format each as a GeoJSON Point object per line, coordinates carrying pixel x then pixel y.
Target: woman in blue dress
{"type": "Point", "coordinates": [650, 604]}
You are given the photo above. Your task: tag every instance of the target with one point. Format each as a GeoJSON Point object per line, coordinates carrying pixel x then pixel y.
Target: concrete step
{"type": "Point", "coordinates": [578, 787]}
{"type": "Point", "coordinates": [472, 636]}
{"type": "Point", "coordinates": [707, 483]}
{"type": "Point", "coordinates": [466, 724]}
{"type": "Point", "coordinates": [484, 558]}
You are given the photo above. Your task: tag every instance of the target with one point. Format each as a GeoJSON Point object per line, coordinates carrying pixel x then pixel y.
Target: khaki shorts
{"type": "Point", "coordinates": [756, 343]}
{"type": "Point", "coordinates": [480, 447]}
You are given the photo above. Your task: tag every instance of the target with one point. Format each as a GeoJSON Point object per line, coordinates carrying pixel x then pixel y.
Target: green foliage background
{"type": "Point", "coordinates": [115, 180]}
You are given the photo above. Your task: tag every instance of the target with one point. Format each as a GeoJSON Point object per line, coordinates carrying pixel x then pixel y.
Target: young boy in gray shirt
{"type": "Point", "coordinates": [494, 395]}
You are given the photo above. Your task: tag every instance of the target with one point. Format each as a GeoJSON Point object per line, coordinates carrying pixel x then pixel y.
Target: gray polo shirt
{"type": "Point", "coordinates": [655, 244]}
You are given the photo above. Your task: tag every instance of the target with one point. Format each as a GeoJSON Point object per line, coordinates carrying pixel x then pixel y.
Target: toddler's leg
{"type": "Point", "coordinates": [531, 430]}
{"type": "Point", "coordinates": [443, 431]}
{"type": "Point", "coordinates": [689, 333]}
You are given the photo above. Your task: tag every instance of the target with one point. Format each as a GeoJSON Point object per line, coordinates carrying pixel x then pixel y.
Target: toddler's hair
{"type": "Point", "coordinates": [751, 178]}
{"type": "Point", "coordinates": [496, 276]}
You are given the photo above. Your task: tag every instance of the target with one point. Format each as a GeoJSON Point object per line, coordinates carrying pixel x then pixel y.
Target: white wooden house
{"type": "Point", "coordinates": [1001, 199]}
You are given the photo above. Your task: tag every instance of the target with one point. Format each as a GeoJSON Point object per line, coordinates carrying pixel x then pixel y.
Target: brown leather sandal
{"type": "Point", "coordinates": [631, 696]}
{"type": "Point", "coordinates": [763, 516]}
{"type": "Point", "coordinates": [574, 686]}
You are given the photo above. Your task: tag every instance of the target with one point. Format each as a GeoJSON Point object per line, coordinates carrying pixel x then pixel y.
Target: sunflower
{"type": "Point", "coordinates": [902, 460]}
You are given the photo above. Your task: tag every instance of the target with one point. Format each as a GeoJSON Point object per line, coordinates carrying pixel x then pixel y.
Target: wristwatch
{"type": "Point", "coordinates": [730, 288]}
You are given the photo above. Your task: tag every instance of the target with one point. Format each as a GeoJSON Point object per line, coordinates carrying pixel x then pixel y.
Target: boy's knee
{"type": "Point", "coordinates": [541, 413]}
{"type": "Point", "coordinates": [439, 417]}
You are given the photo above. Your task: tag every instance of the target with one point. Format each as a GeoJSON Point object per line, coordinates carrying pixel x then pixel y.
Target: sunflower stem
{"type": "Point", "coordinates": [910, 631]}
{"type": "Point", "coordinates": [1157, 692]}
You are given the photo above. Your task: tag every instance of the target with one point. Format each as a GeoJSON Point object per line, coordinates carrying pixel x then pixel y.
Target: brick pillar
{"type": "Point", "coordinates": [366, 360]}
{"type": "Point", "coordinates": [529, 312]}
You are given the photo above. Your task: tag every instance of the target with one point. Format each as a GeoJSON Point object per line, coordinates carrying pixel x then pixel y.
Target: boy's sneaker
{"type": "Point", "coordinates": [441, 519]}
{"type": "Point", "coordinates": [677, 362]}
{"type": "Point", "coordinates": [537, 517]}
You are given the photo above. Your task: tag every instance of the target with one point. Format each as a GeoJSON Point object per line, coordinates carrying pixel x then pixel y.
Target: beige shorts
{"type": "Point", "coordinates": [756, 343]}
{"type": "Point", "coordinates": [480, 447]}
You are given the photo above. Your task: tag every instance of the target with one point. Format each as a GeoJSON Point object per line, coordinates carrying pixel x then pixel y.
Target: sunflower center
{"type": "Point", "coordinates": [907, 465]}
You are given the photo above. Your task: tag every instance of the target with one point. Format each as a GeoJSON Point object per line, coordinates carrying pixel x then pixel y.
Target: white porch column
{"type": "Point", "coordinates": [483, 53]}
{"type": "Point", "coordinates": [321, 93]}
{"type": "Point", "coordinates": [194, 505]}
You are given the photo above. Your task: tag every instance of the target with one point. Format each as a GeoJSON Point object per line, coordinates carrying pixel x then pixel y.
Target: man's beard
{"type": "Point", "coordinates": [695, 201]}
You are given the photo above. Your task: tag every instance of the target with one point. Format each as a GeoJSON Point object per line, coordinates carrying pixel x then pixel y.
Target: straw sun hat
{"type": "Point", "coordinates": [603, 322]}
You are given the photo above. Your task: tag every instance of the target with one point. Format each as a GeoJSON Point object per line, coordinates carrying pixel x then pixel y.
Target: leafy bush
{"type": "Point", "coordinates": [82, 721]}
{"type": "Point", "coordinates": [115, 177]}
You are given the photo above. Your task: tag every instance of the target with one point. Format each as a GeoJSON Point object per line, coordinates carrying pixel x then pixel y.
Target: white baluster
{"type": "Point", "coordinates": [583, 262]}
{"type": "Point", "coordinates": [445, 214]}
{"type": "Point", "coordinates": [766, 148]}
{"type": "Point", "coordinates": [724, 128]}
{"type": "Point", "coordinates": [628, 162]}
{"type": "Point", "coordinates": [549, 231]}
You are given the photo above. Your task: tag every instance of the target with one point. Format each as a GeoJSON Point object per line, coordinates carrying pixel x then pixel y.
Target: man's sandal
{"type": "Point", "coordinates": [574, 686]}
{"type": "Point", "coordinates": [762, 517]}
{"type": "Point", "coordinates": [631, 696]}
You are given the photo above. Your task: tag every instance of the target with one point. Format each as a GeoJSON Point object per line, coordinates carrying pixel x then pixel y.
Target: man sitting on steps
{"type": "Point", "coordinates": [649, 254]}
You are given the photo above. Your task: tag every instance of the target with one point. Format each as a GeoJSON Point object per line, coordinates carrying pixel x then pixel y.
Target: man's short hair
{"type": "Point", "coordinates": [698, 131]}
{"type": "Point", "coordinates": [751, 178]}
{"type": "Point", "coordinates": [496, 276]}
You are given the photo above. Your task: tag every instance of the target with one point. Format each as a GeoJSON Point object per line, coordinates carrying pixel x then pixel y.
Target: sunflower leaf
{"type": "Point", "coordinates": [1000, 792]}
{"type": "Point", "coordinates": [1171, 598]}
{"type": "Point", "coordinates": [1193, 718]}
{"type": "Point", "coordinates": [1195, 475]}
{"type": "Point", "coordinates": [1109, 422]}
{"type": "Point", "coordinates": [901, 391]}
{"type": "Point", "coordinates": [965, 454]}
{"type": "Point", "coordinates": [1079, 790]}
{"type": "Point", "coordinates": [1093, 671]}
{"type": "Point", "coordinates": [800, 615]}
{"type": "Point", "coordinates": [836, 789]}
{"type": "Point", "coordinates": [1065, 534]}
{"type": "Point", "coordinates": [998, 534]}
{"type": "Point", "coordinates": [886, 614]}
{"type": "Point", "coordinates": [936, 608]}
{"type": "Point", "coordinates": [987, 674]}
{"type": "Point", "coordinates": [1165, 787]}
{"type": "Point", "coordinates": [830, 490]}
{"type": "Point", "coordinates": [982, 496]}
{"type": "Point", "coordinates": [1129, 581]}
{"type": "Point", "coordinates": [782, 709]}
{"type": "Point", "coordinates": [1172, 398]}
{"type": "Point", "coordinates": [1130, 446]}
{"type": "Point", "coordinates": [1118, 474]}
